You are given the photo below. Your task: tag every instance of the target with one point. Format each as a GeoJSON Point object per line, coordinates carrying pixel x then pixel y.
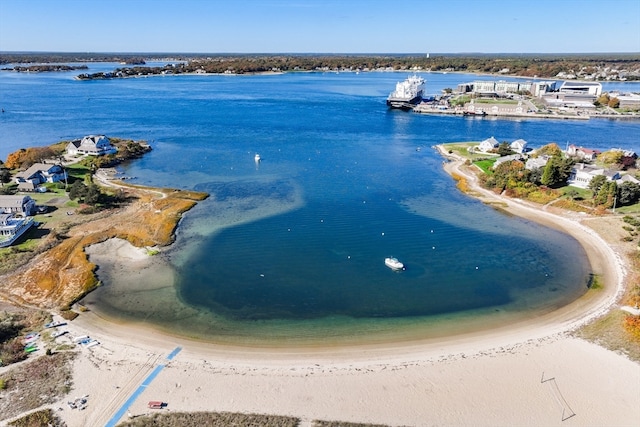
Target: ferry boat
{"type": "Point", "coordinates": [393, 263]}
{"type": "Point", "coordinates": [407, 94]}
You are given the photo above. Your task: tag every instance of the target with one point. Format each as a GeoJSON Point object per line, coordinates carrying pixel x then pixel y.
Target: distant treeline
{"type": "Point", "coordinates": [44, 68]}
{"type": "Point", "coordinates": [603, 66]}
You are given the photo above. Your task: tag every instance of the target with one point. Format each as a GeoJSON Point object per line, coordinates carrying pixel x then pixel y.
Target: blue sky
{"type": "Point", "coordinates": [321, 26]}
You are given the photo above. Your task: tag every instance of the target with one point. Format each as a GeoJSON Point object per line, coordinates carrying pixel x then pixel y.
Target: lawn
{"type": "Point", "coordinates": [486, 165]}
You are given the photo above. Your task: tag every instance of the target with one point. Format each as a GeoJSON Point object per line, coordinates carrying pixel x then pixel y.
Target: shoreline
{"type": "Point", "coordinates": [513, 375]}
{"type": "Point", "coordinates": [602, 258]}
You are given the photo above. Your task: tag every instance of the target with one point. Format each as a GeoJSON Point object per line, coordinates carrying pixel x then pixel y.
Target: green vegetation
{"type": "Point", "coordinates": [595, 282]}
{"type": "Point", "coordinates": [35, 383]}
{"type": "Point", "coordinates": [210, 419]}
{"type": "Point", "coordinates": [44, 417]}
{"type": "Point", "coordinates": [225, 419]}
{"type": "Point", "coordinates": [607, 332]}
{"type": "Point", "coordinates": [548, 65]}
{"type": "Point", "coordinates": [13, 325]}
{"type": "Point", "coordinates": [486, 165]}
{"type": "Point", "coordinates": [495, 101]}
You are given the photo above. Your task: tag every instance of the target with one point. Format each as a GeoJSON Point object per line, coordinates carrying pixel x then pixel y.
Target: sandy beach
{"type": "Point", "coordinates": [529, 373]}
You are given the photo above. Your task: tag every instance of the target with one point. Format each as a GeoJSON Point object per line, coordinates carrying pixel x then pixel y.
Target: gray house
{"type": "Point", "coordinates": [40, 173]}
{"type": "Point", "coordinates": [19, 205]}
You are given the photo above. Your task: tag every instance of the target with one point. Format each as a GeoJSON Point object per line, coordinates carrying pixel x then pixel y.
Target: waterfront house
{"type": "Point", "coordinates": [582, 174]}
{"type": "Point", "coordinates": [582, 153]}
{"type": "Point", "coordinates": [519, 146]}
{"type": "Point", "coordinates": [93, 145]}
{"type": "Point", "coordinates": [18, 205]}
{"type": "Point", "coordinates": [627, 178]}
{"type": "Point", "coordinates": [40, 173]}
{"type": "Point", "coordinates": [536, 162]}
{"type": "Point", "coordinates": [488, 144]}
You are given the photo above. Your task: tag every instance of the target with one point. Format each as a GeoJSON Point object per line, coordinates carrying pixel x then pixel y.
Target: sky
{"type": "Point", "coordinates": [321, 26]}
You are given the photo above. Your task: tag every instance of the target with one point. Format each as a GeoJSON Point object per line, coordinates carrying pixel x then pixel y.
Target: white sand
{"type": "Point", "coordinates": [491, 378]}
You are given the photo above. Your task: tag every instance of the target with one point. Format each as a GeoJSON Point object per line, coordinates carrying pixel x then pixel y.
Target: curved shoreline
{"type": "Point", "coordinates": [602, 258]}
{"type": "Point", "coordinates": [490, 377]}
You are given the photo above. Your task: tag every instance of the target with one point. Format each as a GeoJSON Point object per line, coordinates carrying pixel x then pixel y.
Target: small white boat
{"type": "Point", "coordinates": [257, 157]}
{"type": "Point", "coordinates": [393, 264]}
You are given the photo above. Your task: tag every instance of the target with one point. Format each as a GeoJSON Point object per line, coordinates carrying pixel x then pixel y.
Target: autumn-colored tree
{"type": "Point", "coordinates": [23, 158]}
{"type": "Point", "coordinates": [614, 103]}
{"type": "Point", "coordinates": [551, 149]}
{"type": "Point", "coordinates": [610, 158]}
{"type": "Point", "coordinates": [602, 99]}
{"type": "Point", "coordinates": [14, 160]}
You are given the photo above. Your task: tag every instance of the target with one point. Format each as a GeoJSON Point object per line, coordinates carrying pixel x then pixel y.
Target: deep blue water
{"type": "Point", "coordinates": [300, 238]}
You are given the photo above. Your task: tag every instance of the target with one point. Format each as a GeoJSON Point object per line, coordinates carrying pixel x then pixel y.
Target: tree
{"type": "Point", "coordinates": [628, 193]}
{"type": "Point", "coordinates": [602, 100]}
{"type": "Point", "coordinates": [550, 149]}
{"type": "Point", "coordinates": [504, 149]}
{"type": "Point", "coordinates": [614, 103]}
{"type": "Point", "coordinates": [535, 176]}
{"type": "Point", "coordinates": [92, 196]}
{"type": "Point", "coordinates": [77, 190]}
{"type": "Point", "coordinates": [510, 175]}
{"type": "Point", "coordinates": [5, 176]}
{"type": "Point", "coordinates": [556, 171]}
{"type": "Point", "coordinates": [610, 158]}
{"type": "Point", "coordinates": [606, 194]}
{"type": "Point", "coordinates": [596, 183]}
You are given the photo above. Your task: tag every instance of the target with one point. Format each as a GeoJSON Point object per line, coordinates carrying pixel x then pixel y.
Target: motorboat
{"type": "Point", "coordinates": [393, 263]}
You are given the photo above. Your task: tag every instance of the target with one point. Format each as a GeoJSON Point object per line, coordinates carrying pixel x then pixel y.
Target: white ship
{"type": "Point", "coordinates": [393, 264]}
{"type": "Point", "coordinates": [407, 94]}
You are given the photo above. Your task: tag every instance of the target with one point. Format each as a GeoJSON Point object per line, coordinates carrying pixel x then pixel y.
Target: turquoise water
{"type": "Point", "coordinates": [292, 248]}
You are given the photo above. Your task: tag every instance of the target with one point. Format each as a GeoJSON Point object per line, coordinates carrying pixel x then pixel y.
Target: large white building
{"type": "Point", "coordinates": [93, 145]}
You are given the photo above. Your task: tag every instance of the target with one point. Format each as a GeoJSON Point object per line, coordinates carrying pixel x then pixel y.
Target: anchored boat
{"type": "Point", "coordinates": [393, 263]}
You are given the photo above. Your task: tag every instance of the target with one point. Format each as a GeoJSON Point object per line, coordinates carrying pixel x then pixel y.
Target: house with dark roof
{"type": "Point", "coordinates": [92, 145]}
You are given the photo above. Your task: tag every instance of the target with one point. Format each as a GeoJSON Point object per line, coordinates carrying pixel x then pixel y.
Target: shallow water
{"type": "Point", "coordinates": [291, 249]}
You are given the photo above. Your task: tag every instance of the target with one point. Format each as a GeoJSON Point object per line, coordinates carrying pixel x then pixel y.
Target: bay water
{"type": "Point", "coordinates": [290, 249]}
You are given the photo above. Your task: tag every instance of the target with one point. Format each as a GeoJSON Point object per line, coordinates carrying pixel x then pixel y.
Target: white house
{"type": "Point", "coordinates": [582, 153]}
{"type": "Point", "coordinates": [582, 174]}
{"type": "Point", "coordinates": [519, 146]}
{"type": "Point", "coordinates": [488, 145]}
{"type": "Point", "coordinates": [93, 145]}
{"type": "Point", "coordinates": [40, 173]}
{"type": "Point", "coordinates": [536, 162]}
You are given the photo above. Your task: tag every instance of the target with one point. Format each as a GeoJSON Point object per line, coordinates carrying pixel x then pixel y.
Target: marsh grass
{"type": "Point", "coordinates": [210, 419]}
{"type": "Point", "coordinates": [38, 382]}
